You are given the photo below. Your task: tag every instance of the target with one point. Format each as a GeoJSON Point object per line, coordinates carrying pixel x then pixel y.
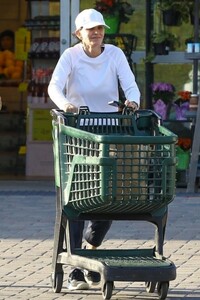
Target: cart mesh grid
{"type": "Point", "coordinates": [108, 168]}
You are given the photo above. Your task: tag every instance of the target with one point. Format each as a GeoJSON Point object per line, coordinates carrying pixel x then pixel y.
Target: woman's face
{"type": "Point", "coordinates": [92, 37]}
{"type": "Point", "coordinates": [7, 43]}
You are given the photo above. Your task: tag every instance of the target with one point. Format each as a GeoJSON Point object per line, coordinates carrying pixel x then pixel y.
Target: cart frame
{"type": "Point", "coordinates": [149, 202]}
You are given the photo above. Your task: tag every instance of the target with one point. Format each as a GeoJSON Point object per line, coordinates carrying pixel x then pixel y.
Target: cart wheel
{"type": "Point", "coordinates": [150, 286]}
{"type": "Point", "coordinates": [162, 289]}
{"type": "Point", "coordinates": [107, 290]}
{"type": "Point", "coordinates": [57, 282]}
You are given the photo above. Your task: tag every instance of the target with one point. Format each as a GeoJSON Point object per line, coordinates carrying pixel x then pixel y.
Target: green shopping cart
{"type": "Point", "coordinates": [118, 167]}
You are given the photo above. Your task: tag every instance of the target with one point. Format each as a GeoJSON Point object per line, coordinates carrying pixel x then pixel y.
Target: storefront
{"type": "Point", "coordinates": [43, 29]}
{"type": "Point", "coordinates": [25, 70]}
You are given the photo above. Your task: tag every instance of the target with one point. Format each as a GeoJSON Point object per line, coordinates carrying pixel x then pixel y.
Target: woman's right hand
{"type": "Point", "coordinates": [70, 108]}
{"type": "Point", "coordinates": [132, 104]}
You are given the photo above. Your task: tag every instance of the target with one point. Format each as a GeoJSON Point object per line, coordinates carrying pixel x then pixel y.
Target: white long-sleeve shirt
{"type": "Point", "coordinates": [84, 81]}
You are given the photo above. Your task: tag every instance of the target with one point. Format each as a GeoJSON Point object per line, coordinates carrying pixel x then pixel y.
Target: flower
{"type": "Point", "coordinates": [184, 98]}
{"type": "Point", "coordinates": [184, 95]}
{"type": "Point", "coordinates": [115, 8]}
{"type": "Point", "coordinates": [184, 143]}
{"type": "Point", "coordinates": [163, 91]}
{"type": "Point", "coordinates": [183, 153]}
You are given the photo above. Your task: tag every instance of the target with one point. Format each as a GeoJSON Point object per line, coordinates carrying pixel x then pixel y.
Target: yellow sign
{"type": "Point", "coordinates": [23, 87]}
{"type": "Point", "coordinates": [42, 128]}
{"type": "Point", "coordinates": [22, 43]}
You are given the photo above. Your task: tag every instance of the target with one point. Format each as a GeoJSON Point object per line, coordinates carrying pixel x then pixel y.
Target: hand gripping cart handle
{"type": "Point", "coordinates": [116, 167]}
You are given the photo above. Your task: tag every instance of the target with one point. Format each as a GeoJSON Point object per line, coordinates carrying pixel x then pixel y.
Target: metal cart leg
{"type": "Point", "coordinates": [59, 235]}
{"type": "Point", "coordinates": [160, 233]}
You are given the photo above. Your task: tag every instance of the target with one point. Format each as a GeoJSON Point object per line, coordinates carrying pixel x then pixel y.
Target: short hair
{"type": "Point", "coordinates": [8, 32]}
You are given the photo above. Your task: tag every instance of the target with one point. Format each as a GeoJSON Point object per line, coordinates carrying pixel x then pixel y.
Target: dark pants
{"type": "Point", "coordinates": [94, 235]}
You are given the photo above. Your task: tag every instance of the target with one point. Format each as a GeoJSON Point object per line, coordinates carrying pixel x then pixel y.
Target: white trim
{"type": "Point", "coordinates": [68, 11]}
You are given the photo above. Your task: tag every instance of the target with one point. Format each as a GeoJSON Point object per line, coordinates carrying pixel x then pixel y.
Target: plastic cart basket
{"type": "Point", "coordinates": [117, 167]}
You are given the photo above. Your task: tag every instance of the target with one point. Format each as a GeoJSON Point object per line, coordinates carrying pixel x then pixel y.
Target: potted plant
{"type": "Point", "coordinates": [183, 149]}
{"type": "Point", "coordinates": [163, 94]}
{"type": "Point", "coordinates": [115, 12]}
{"type": "Point", "coordinates": [180, 106]}
{"type": "Point", "coordinates": [163, 41]}
{"type": "Point", "coordinates": [175, 12]}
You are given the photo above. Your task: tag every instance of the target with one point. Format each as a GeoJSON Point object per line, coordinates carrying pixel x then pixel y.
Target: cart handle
{"type": "Point", "coordinates": [144, 112]}
{"type": "Point", "coordinates": [59, 116]}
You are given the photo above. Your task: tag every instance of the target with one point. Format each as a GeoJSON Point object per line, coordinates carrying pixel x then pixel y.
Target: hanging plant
{"type": "Point", "coordinates": [118, 11]}
{"type": "Point", "coordinates": [175, 12]}
{"type": "Point", "coordinates": [171, 17]}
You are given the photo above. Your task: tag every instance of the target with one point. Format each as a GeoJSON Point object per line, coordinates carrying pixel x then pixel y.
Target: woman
{"type": "Point", "coordinates": [87, 74]}
{"type": "Point", "coordinates": [7, 40]}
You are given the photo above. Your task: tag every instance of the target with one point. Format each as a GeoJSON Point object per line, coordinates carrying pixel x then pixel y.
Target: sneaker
{"type": "Point", "coordinates": [76, 281]}
{"type": "Point", "coordinates": [93, 278]}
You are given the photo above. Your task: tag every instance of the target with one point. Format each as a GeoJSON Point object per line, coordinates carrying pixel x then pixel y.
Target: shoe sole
{"type": "Point", "coordinates": [79, 286]}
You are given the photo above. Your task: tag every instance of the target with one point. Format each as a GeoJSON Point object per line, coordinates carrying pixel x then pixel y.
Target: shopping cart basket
{"type": "Point", "coordinates": [117, 167]}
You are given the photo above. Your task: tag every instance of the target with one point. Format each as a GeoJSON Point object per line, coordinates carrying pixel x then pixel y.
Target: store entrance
{"type": "Point", "coordinates": [29, 50]}
{"type": "Point", "coordinates": [25, 123]}
{"type": "Point", "coordinates": [13, 111]}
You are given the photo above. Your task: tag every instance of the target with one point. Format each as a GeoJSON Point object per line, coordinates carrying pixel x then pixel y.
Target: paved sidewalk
{"type": "Point", "coordinates": [27, 215]}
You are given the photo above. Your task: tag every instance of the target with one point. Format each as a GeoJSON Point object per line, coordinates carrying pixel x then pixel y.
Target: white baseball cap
{"type": "Point", "coordinates": [89, 18]}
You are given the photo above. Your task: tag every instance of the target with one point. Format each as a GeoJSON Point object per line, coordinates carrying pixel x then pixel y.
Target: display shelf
{"type": "Point", "coordinates": [12, 136]}
{"type": "Point", "coordinates": [45, 48]}
{"type": "Point", "coordinates": [44, 53]}
{"type": "Point", "coordinates": [192, 56]}
{"type": "Point", "coordinates": [9, 82]}
{"type": "Point", "coordinates": [174, 57]}
{"type": "Point", "coordinates": [43, 23]}
{"type": "Point", "coordinates": [48, 105]}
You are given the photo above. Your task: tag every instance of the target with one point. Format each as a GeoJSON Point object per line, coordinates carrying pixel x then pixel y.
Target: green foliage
{"type": "Point", "coordinates": [149, 57]}
{"type": "Point", "coordinates": [184, 7]}
{"type": "Point", "coordinates": [122, 9]}
{"type": "Point", "coordinates": [162, 36]}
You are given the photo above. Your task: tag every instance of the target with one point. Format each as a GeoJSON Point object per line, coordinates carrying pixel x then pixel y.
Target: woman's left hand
{"type": "Point", "coordinates": [131, 104]}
